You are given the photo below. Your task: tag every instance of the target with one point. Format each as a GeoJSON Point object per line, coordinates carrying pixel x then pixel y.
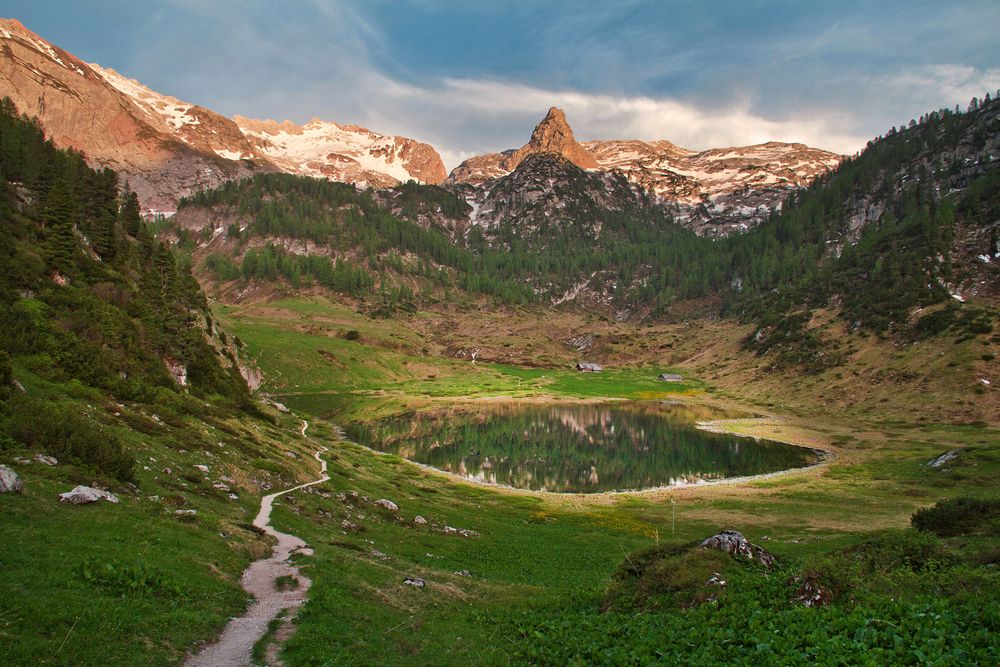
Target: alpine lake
{"type": "Point", "coordinates": [578, 447]}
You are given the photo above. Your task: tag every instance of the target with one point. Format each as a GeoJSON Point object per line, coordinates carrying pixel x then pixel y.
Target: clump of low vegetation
{"type": "Point", "coordinates": [64, 433]}
{"type": "Point", "coordinates": [286, 582]}
{"type": "Point", "coordinates": [960, 516]}
{"type": "Point", "coordinates": [127, 579]}
{"type": "Point", "coordinates": [668, 576]}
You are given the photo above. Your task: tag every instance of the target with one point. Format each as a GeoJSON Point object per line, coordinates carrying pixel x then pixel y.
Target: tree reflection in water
{"type": "Point", "coordinates": [579, 448]}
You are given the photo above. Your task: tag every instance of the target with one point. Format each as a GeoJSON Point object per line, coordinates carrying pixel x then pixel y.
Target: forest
{"type": "Point", "coordinates": [87, 294]}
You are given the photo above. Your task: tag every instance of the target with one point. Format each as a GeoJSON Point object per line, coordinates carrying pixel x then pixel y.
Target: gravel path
{"type": "Point", "coordinates": [237, 640]}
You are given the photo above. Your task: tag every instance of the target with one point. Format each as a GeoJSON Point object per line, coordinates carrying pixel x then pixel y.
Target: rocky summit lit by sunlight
{"type": "Point", "coordinates": [441, 333]}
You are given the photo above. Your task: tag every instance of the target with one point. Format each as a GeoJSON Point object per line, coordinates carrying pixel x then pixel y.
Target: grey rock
{"type": "Point", "coordinates": [10, 482]}
{"type": "Point", "coordinates": [734, 543]}
{"type": "Point", "coordinates": [185, 512]}
{"type": "Point", "coordinates": [46, 460]}
{"type": "Point", "coordinates": [83, 495]}
{"type": "Point", "coordinates": [944, 458]}
{"type": "Point", "coordinates": [387, 504]}
{"type": "Point", "coordinates": [414, 581]}
{"type": "Point", "coordinates": [419, 520]}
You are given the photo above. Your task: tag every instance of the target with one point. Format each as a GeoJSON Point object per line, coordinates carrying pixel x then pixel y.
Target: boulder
{"type": "Point", "coordinates": [387, 504]}
{"type": "Point", "coordinates": [83, 495]}
{"type": "Point", "coordinates": [46, 460]}
{"type": "Point", "coordinates": [419, 520]}
{"type": "Point", "coordinates": [10, 482]}
{"type": "Point", "coordinates": [944, 458]}
{"type": "Point", "coordinates": [414, 581]}
{"type": "Point", "coordinates": [734, 543]}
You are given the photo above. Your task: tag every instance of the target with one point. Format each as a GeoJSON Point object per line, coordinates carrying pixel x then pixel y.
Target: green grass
{"type": "Point", "coordinates": [133, 583]}
{"type": "Point", "coordinates": [539, 568]}
{"type": "Point", "coordinates": [541, 565]}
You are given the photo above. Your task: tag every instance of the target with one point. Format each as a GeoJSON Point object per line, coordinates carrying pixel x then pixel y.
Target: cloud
{"type": "Point", "coordinates": [924, 88]}
{"type": "Point", "coordinates": [462, 117]}
{"type": "Point", "coordinates": [337, 61]}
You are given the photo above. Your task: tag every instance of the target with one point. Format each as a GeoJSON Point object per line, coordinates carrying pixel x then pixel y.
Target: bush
{"type": "Point", "coordinates": [667, 576]}
{"type": "Point", "coordinates": [72, 438]}
{"type": "Point", "coordinates": [127, 579]}
{"type": "Point", "coordinates": [959, 516]}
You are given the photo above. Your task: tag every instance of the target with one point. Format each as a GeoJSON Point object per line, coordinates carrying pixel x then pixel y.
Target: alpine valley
{"type": "Point", "coordinates": [280, 393]}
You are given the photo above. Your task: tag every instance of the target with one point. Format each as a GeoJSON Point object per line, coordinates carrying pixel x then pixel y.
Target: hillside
{"type": "Point", "coordinates": [87, 292]}
{"type": "Point", "coordinates": [115, 375]}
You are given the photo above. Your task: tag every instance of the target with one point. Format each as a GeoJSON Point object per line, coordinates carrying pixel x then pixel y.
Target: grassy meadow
{"type": "Point", "coordinates": [537, 578]}
{"type": "Point", "coordinates": [534, 585]}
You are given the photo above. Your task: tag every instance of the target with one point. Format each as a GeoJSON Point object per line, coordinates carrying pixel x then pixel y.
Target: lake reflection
{"type": "Point", "coordinates": [579, 448]}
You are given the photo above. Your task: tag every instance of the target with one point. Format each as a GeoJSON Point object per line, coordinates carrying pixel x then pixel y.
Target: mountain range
{"type": "Point", "coordinates": [168, 148]}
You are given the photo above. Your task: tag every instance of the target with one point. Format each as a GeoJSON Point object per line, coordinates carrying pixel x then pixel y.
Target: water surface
{"type": "Point", "coordinates": [578, 448]}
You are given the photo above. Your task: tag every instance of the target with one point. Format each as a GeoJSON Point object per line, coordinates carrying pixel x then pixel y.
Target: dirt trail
{"type": "Point", "coordinates": [237, 640]}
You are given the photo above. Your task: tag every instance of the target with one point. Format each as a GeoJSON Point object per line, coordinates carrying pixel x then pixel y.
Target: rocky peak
{"type": "Point", "coordinates": [554, 135]}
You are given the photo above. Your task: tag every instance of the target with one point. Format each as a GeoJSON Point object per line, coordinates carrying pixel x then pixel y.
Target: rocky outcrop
{"type": "Point", "coordinates": [552, 135]}
{"type": "Point", "coordinates": [82, 495]}
{"type": "Point", "coordinates": [548, 192]}
{"type": "Point", "coordinates": [10, 481]}
{"type": "Point", "coordinates": [735, 544]}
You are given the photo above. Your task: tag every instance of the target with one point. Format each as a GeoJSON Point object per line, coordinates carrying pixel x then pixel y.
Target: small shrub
{"type": "Point", "coordinates": [264, 464]}
{"type": "Point", "coordinates": [69, 436]}
{"type": "Point", "coordinates": [666, 576]}
{"type": "Point", "coordinates": [127, 579]}
{"type": "Point", "coordinates": [959, 516]}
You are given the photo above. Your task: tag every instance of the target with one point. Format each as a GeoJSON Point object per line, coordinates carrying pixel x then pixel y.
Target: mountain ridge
{"type": "Point", "coordinates": [168, 148]}
{"type": "Point", "coordinates": [715, 191]}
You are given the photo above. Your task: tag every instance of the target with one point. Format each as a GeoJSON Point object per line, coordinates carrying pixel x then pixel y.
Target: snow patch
{"type": "Point", "coordinates": [229, 155]}
{"type": "Point", "coordinates": [319, 146]}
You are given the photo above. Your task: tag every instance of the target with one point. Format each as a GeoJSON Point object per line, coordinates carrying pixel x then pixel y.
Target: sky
{"type": "Point", "coordinates": [475, 76]}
